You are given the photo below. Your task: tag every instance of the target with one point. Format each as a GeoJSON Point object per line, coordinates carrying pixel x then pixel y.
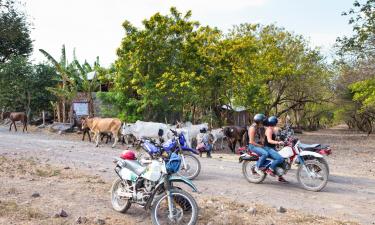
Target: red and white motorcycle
{"type": "Point", "coordinates": [312, 174]}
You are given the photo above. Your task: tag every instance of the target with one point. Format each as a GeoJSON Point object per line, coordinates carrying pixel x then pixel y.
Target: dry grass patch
{"type": "Point", "coordinates": [220, 211]}
{"type": "Point", "coordinates": [11, 209]}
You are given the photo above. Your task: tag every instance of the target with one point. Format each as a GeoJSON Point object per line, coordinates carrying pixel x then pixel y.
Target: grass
{"type": "Point", "coordinates": [11, 209]}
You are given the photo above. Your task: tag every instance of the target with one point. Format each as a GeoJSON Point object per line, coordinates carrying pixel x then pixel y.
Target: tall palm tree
{"type": "Point", "coordinates": [67, 88]}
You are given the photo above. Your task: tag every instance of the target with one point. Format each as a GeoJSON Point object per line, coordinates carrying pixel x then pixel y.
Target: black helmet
{"type": "Point", "coordinates": [272, 121]}
{"type": "Point", "coordinates": [203, 130]}
{"type": "Point", "coordinates": [259, 118]}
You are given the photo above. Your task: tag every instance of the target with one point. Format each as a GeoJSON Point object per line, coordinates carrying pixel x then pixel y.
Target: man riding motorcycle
{"type": "Point", "coordinates": [270, 146]}
{"type": "Point", "coordinates": [256, 140]}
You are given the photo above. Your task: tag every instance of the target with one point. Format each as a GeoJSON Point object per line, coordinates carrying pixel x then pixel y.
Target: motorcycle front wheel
{"type": "Point", "coordinates": [313, 175]}
{"type": "Point", "coordinates": [192, 167]}
{"type": "Point", "coordinates": [185, 209]}
{"type": "Point", "coordinates": [250, 173]}
{"type": "Point", "coordinates": [119, 203]}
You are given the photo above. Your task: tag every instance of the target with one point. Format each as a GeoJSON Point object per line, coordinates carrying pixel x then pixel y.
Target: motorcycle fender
{"type": "Point", "coordinates": [307, 153]}
{"type": "Point", "coordinates": [187, 149]}
{"type": "Point", "coordinates": [174, 178]}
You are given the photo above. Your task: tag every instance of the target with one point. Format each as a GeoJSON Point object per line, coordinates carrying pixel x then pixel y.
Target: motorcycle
{"type": "Point", "coordinates": [312, 175]}
{"type": "Point", "coordinates": [152, 187]}
{"type": "Point", "coordinates": [191, 165]}
{"type": "Point", "coordinates": [324, 150]}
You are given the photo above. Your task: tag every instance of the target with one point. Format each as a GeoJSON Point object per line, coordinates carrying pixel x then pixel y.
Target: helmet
{"type": "Point", "coordinates": [203, 130]}
{"type": "Point", "coordinates": [128, 155]}
{"type": "Point", "coordinates": [258, 118]}
{"type": "Point", "coordinates": [272, 121]}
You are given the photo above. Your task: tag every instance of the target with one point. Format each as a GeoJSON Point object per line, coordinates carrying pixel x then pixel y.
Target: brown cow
{"type": "Point", "coordinates": [16, 116]}
{"type": "Point", "coordinates": [234, 134]}
{"type": "Point", "coordinates": [102, 125]}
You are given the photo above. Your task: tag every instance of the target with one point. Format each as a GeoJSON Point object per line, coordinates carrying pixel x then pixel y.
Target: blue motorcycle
{"type": "Point", "coordinates": [190, 165]}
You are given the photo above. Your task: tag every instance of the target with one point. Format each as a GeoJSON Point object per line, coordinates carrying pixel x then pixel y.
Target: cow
{"type": "Point", "coordinates": [217, 135]}
{"type": "Point", "coordinates": [234, 134]}
{"type": "Point", "coordinates": [102, 125]}
{"type": "Point", "coordinates": [141, 129]}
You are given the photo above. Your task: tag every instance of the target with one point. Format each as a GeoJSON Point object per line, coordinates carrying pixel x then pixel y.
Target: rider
{"type": "Point", "coordinates": [270, 146]}
{"type": "Point", "coordinates": [256, 140]}
{"type": "Point", "coordinates": [203, 142]}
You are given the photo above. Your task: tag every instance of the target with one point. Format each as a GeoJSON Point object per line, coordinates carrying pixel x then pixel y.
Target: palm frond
{"type": "Point", "coordinates": [63, 57]}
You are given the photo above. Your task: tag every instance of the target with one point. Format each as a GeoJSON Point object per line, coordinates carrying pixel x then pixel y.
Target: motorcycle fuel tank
{"type": "Point", "coordinates": [153, 171]}
{"type": "Point", "coordinates": [286, 152]}
{"type": "Point", "coordinates": [127, 174]}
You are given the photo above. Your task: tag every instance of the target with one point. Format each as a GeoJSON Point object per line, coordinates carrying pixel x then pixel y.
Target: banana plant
{"type": "Point", "coordinates": [88, 85]}
{"type": "Point", "coordinates": [66, 90]}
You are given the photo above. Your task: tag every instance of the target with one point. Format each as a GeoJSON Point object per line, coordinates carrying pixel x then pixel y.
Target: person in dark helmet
{"type": "Point", "coordinates": [204, 143]}
{"type": "Point", "coordinates": [256, 140]}
{"type": "Point", "coordinates": [270, 146]}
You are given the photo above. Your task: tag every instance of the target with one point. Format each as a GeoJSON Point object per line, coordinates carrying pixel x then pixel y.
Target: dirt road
{"type": "Point", "coordinates": [350, 196]}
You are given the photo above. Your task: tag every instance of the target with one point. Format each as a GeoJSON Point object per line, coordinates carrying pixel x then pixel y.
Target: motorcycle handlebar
{"type": "Point", "coordinates": [174, 132]}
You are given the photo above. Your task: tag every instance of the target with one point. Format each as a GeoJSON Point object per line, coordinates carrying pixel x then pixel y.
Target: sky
{"type": "Point", "coordinates": [93, 27]}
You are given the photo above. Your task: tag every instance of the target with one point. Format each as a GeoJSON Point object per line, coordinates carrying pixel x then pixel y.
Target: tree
{"type": "Point", "coordinates": [67, 88]}
{"type": "Point", "coordinates": [356, 71]}
{"type": "Point", "coordinates": [85, 84]}
{"type": "Point", "coordinates": [23, 86]}
{"type": "Point", "coordinates": [15, 37]}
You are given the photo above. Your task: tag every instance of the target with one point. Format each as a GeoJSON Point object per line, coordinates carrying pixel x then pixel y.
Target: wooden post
{"type": "Point", "coordinates": [44, 118]}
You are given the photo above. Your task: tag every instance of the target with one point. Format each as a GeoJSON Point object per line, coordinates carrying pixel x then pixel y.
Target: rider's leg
{"type": "Point", "coordinates": [277, 158]}
{"type": "Point", "coordinates": [262, 153]}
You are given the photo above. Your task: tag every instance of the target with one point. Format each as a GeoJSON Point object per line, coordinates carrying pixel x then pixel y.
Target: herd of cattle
{"type": "Point", "coordinates": [128, 133]}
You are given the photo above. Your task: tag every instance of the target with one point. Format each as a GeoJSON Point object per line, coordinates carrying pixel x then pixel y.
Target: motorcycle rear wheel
{"type": "Point", "coordinates": [119, 204]}
{"type": "Point", "coordinates": [317, 169]}
{"type": "Point", "coordinates": [250, 175]}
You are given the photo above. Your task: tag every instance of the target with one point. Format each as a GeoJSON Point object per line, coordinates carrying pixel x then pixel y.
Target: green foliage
{"type": "Point", "coordinates": [356, 71]}
{"type": "Point", "coordinates": [23, 86]}
{"type": "Point", "coordinates": [175, 69]}
{"type": "Point", "coordinates": [15, 37]}
{"type": "Point", "coordinates": [362, 18]}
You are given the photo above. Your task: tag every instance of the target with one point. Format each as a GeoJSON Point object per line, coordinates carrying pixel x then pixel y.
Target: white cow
{"type": "Point", "coordinates": [142, 129]}
{"type": "Point", "coordinates": [218, 135]}
{"type": "Point", "coordinates": [190, 131]}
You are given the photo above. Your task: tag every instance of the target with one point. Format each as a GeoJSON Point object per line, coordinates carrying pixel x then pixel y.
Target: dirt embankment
{"type": "Point", "coordinates": [33, 192]}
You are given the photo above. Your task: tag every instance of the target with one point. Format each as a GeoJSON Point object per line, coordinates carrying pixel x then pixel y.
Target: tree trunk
{"type": "Point", "coordinates": [63, 111]}
{"type": "Point", "coordinates": [193, 115]}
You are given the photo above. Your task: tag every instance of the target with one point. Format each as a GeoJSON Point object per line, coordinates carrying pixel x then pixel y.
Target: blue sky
{"type": "Point", "coordinates": [93, 27]}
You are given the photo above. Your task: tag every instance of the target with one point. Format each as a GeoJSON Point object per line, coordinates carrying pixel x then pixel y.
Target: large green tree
{"type": "Point", "coordinates": [23, 86]}
{"type": "Point", "coordinates": [356, 70]}
{"type": "Point", "coordinates": [15, 37]}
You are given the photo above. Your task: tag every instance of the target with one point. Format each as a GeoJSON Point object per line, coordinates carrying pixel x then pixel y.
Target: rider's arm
{"type": "Point", "coordinates": [269, 137]}
{"type": "Point", "coordinates": [252, 137]}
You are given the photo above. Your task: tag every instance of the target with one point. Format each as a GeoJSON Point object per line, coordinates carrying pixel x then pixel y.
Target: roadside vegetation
{"type": "Point", "coordinates": [174, 68]}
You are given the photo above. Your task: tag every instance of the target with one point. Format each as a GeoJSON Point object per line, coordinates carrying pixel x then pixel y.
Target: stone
{"type": "Point", "coordinates": [100, 221]}
{"type": "Point", "coordinates": [63, 213]}
{"type": "Point", "coordinates": [35, 195]}
{"type": "Point", "coordinates": [252, 211]}
{"type": "Point", "coordinates": [281, 209]}
{"type": "Point", "coordinates": [81, 220]}
{"type": "Point", "coordinates": [66, 168]}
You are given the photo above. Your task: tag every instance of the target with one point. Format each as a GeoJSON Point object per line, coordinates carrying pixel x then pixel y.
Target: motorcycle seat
{"type": "Point", "coordinates": [135, 166]}
{"type": "Point", "coordinates": [309, 146]}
